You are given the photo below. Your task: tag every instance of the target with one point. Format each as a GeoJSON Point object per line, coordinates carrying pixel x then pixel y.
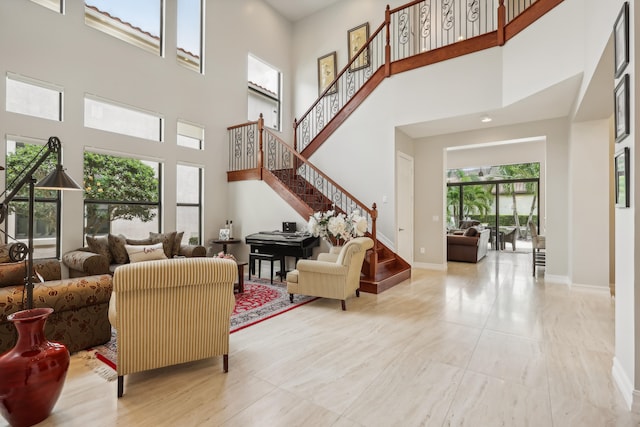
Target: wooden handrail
{"type": "Point", "coordinates": [504, 31]}
{"type": "Point", "coordinates": [302, 160]}
{"type": "Point", "coordinates": [336, 80]}
{"type": "Point", "coordinates": [404, 6]}
{"type": "Point", "coordinates": [244, 124]}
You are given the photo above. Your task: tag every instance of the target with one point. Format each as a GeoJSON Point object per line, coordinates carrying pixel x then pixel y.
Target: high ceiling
{"type": "Point", "coordinates": [295, 10]}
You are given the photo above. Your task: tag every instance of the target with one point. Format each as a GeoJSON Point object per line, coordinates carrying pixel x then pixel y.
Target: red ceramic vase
{"type": "Point", "coordinates": [32, 373]}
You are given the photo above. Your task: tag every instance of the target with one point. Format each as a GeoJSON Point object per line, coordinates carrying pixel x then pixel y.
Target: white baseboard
{"type": "Point", "coordinates": [562, 280]}
{"type": "Point", "coordinates": [624, 384]}
{"type": "Point", "coordinates": [429, 266]}
{"type": "Point", "coordinates": [593, 288]}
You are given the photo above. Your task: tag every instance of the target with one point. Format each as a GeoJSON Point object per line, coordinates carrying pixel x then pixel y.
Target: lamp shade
{"type": "Point", "coordinates": [58, 180]}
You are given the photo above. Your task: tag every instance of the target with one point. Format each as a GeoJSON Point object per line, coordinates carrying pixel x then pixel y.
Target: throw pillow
{"type": "Point", "coordinates": [118, 251]}
{"type": "Point", "coordinates": [100, 245]}
{"type": "Point", "coordinates": [146, 241]}
{"type": "Point", "coordinates": [471, 232]}
{"type": "Point", "coordinates": [138, 253]}
{"type": "Point", "coordinates": [176, 243]}
{"type": "Point", "coordinates": [166, 239]}
{"type": "Point", "coordinates": [12, 273]}
{"type": "Point", "coordinates": [4, 253]}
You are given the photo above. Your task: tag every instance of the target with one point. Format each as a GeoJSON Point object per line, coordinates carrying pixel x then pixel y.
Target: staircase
{"type": "Point", "coordinates": [407, 39]}
{"type": "Point", "coordinates": [307, 189]}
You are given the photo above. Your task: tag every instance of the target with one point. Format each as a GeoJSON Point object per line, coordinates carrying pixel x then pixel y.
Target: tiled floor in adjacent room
{"type": "Point", "coordinates": [480, 345]}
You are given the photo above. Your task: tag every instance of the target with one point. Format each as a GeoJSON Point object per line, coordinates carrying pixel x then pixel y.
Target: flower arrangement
{"type": "Point", "coordinates": [337, 227]}
{"type": "Point", "coordinates": [221, 254]}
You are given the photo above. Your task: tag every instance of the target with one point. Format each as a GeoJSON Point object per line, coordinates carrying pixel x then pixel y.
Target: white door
{"type": "Point", "coordinates": [404, 190]}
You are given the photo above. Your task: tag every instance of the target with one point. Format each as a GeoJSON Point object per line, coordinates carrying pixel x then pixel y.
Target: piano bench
{"type": "Point", "coordinates": [253, 257]}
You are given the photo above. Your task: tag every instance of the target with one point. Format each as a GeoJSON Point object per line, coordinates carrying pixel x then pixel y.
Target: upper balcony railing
{"type": "Point", "coordinates": [415, 28]}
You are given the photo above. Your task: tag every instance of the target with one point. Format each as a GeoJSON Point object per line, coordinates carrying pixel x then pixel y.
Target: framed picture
{"type": "Point", "coordinates": [621, 106]}
{"type": "Point", "coordinates": [224, 234]}
{"type": "Point", "coordinates": [327, 70]}
{"type": "Point", "coordinates": [357, 37]}
{"type": "Point", "coordinates": [622, 178]}
{"type": "Point", "coordinates": [621, 40]}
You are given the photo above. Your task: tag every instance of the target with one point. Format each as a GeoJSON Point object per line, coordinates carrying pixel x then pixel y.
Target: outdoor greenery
{"type": "Point", "coordinates": [18, 163]}
{"type": "Point", "coordinates": [116, 181]}
{"type": "Point", "coordinates": [128, 187]}
{"type": "Point", "coordinates": [478, 200]}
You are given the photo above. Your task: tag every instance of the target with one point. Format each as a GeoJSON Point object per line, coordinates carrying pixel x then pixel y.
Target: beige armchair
{"type": "Point", "coordinates": [171, 311]}
{"type": "Point", "coordinates": [539, 245]}
{"type": "Point", "coordinates": [332, 275]}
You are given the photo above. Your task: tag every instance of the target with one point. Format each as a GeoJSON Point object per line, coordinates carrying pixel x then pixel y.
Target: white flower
{"type": "Point", "coordinates": [337, 227]}
{"type": "Point", "coordinates": [361, 226]}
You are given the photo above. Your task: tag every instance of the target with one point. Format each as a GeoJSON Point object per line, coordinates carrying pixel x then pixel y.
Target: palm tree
{"type": "Point", "coordinates": [521, 171]}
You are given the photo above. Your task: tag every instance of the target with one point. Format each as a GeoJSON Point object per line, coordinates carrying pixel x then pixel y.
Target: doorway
{"type": "Point", "coordinates": [404, 206]}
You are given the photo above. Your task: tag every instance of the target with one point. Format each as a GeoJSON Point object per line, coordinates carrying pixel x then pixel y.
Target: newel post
{"type": "Point", "coordinates": [387, 47]}
{"type": "Point", "coordinates": [260, 149]}
{"type": "Point", "coordinates": [295, 135]}
{"type": "Point", "coordinates": [501, 22]}
{"type": "Point", "coordinates": [373, 259]}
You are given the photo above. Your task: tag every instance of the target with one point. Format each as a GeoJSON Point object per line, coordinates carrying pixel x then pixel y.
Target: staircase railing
{"type": "Point", "coordinates": [417, 27]}
{"type": "Point", "coordinates": [252, 146]}
{"type": "Point", "coordinates": [346, 85]}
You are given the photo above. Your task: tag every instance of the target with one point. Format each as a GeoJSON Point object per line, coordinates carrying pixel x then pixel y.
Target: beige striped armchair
{"type": "Point", "coordinates": [171, 311]}
{"type": "Point", "coordinates": [332, 275]}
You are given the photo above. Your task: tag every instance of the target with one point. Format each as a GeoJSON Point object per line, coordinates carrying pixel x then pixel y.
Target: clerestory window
{"type": "Point", "coordinates": [139, 22]}
{"type": "Point", "coordinates": [264, 92]}
{"type": "Point", "coordinates": [190, 34]}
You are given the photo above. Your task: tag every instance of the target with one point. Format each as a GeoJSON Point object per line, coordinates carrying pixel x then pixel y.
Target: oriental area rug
{"type": "Point", "coordinates": [260, 301]}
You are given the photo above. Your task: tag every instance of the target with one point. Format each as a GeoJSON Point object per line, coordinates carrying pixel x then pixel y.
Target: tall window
{"type": "Point", "coordinates": [55, 5]}
{"type": "Point", "coordinates": [122, 195]}
{"type": "Point", "coordinates": [264, 92]}
{"type": "Point", "coordinates": [190, 135]}
{"type": "Point", "coordinates": [33, 97]}
{"type": "Point", "coordinates": [138, 22]}
{"type": "Point", "coordinates": [189, 202]}
{"type": "Point", "coordinates": [46, 237]}
{"type": "Point", "coordinates": [190, 37]}
{"type": "Point", "coordinates": [112, 117]}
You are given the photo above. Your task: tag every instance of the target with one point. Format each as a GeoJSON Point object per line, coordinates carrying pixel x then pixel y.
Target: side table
{"type": "Point", "coordinates": [240, 285]}
{"type": "Point", "coordinates": [224, 243]}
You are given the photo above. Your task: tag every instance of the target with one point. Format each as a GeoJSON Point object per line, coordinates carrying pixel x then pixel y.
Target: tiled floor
{"type": "Point", "coordinates": [480, 345]}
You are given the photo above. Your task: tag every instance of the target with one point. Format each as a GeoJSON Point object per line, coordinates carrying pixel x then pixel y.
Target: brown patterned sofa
{"type": "Point", "coordinates": [103, 254]}
{"type": "Point", "coordinates": [80, 318]}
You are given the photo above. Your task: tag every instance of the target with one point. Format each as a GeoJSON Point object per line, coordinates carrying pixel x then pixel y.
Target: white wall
{"type": "Point", "coordinates": [589, 160]}
{"type": "Point", "coordinates": [626, 363]}
{"type": "Point", "coordinates": [61, 49]}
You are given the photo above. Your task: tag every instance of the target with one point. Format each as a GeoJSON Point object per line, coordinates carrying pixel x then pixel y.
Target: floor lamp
{"type": "Point", "coordinates": [56, 180]}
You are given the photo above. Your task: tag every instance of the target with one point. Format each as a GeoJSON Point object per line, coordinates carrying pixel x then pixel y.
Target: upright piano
{"type": "Point", "coordinates": [297, 244]}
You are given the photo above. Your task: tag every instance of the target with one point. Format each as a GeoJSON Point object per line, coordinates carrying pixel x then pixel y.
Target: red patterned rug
{"type": "Point", "coordinates": [259, 301]}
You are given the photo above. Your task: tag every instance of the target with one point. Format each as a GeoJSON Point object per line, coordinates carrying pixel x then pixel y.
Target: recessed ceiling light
{"type": "Point", "coordinates": [486, 119]}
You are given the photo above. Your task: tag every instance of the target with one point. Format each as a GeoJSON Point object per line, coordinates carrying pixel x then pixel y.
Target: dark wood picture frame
{"type": "Point", "coordinates": [356, 38]}
{"type": "Point", "coordinates": [327, 71]}
{"type": "Point", "coordinates": [621, 109]}
{"type": "Point", "coordinates": [623, 191]}
{"type": "Point", "coordinates": [621, 40]}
